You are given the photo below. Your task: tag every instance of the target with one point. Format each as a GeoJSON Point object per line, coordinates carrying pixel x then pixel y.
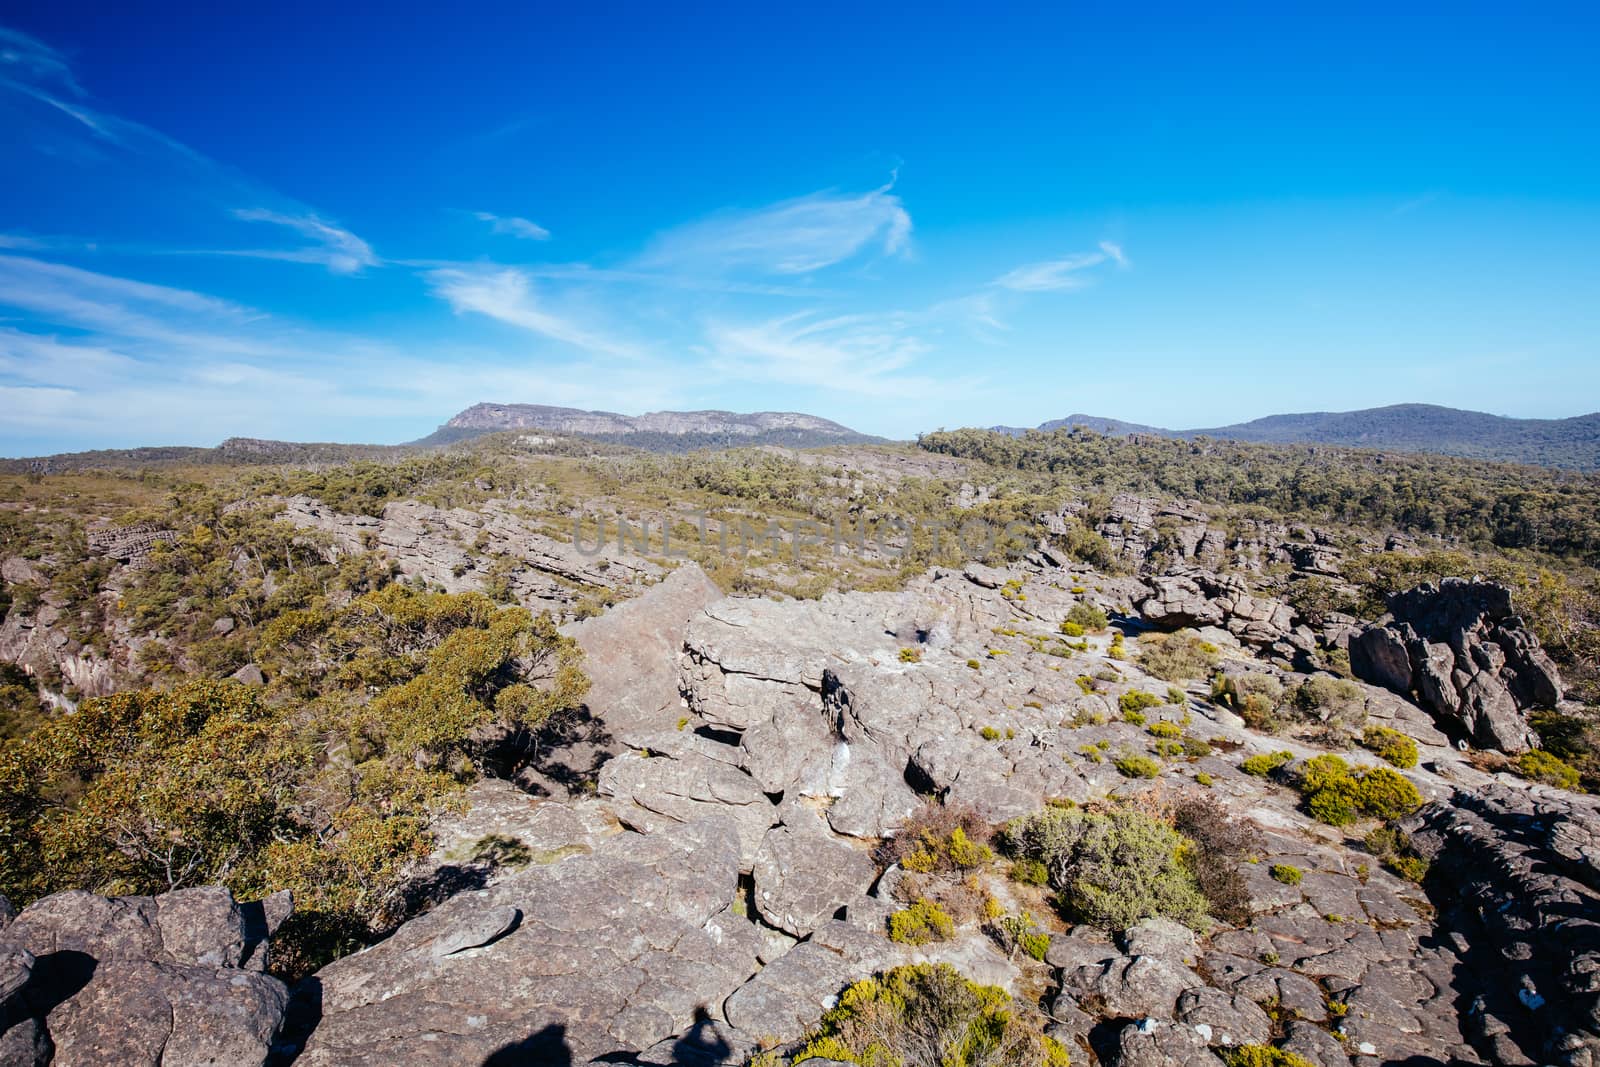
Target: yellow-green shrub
{"type": "Point", "coordinates": [1390, 745]}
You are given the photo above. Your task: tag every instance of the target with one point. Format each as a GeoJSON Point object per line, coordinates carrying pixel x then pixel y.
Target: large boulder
{"type": "Point", "coordinates": [1470, 661]}
{"type": "Point", "coordinates": [171, 980]}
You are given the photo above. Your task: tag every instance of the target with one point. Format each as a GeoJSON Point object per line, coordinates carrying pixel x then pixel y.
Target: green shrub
{"type": "Point", "coordinates": [966, 853]}
{"type": "Point", "coordinates": [1029, 872]}
{"type": "Point", "coordinates": [1390, 745]}
{"type": "Point", "coordinates": [1112, 868]}
{"type": "Point", "coordinates": [922, 1010]}
{"type": "Point", "coordinates": [922, 922]}
{"type": "Point", "coordinates": [911, 655]}
{"type": "Point", "coordinates": [1165, 729]}
{"type": "Point", "coordinates": [1411, 868]}
{"type": "Point", "coordinates": [1195, 747]}
{"type": "Point", "coordinates": [974, 665]}
{"type": "Point", "coordinates": [1262, 1056]}
{"type": "Point", "coordinates": [1088, 617]}
{"type": "Point", "coordinates": [1335, 701]}
{"type": "Point", "coordinates": [1336, 796]}
{"type": "Point", "coordinates": [1176, 696]}
{"type": "Point", "coordinates": [1071, 629]}
{"type": "Point", "coordinates": [989, 733]}
{"type": "Point", "coordinates": [1133, 765]}
{"type": "Point", "coordinates": [1266, 763]}
{"type": "Point", "coordinates": [1387, 794]}
{"type": "Point", "coordinates": [1177, 657]}
{"type": "Point", "coordinates": [938, 837]}
{"type": "Point", "coordinates": [1540, 766]}
{"type": "Point", "coordinates": [1137, 700]}
{"type": "Point", "coordinates": [1085, 683]}
{"type": "Point", "coordinates": [1286, 873]}
{"type": "Point", "coordinates": [1573, 739]}
{"type": "Point", "coordinates": [1204, 779]}
{"type": "Point", "coordinates": [1256, 697]}
{"type": "Point", "coordinates": [1169, 749]}
{"type": "Point", "coordinates": [1035, 945]}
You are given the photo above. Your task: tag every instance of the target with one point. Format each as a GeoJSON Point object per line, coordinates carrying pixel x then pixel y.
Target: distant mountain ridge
{"type": "Point", "coordinates": [656, 430]}
{"type": "Point", "coordinates": [1572, 443]}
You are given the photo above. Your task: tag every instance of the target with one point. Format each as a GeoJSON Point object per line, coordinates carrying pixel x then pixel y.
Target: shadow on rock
{"type": "Point", "coordinates": [547, 1048]}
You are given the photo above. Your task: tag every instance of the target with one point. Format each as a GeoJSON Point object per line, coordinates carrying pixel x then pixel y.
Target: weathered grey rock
{"type": "Point", "coordinates": [1472, 662]}
{"type": "Point", "coordinates": [615, 951]}
{"type": "Point", "coordinates": [1378, 655]}
{"type": "Point", "coordinates": [451, 547]}
{"type": "Point", "coordinates": [1135, 986]}
{"type": "Point", "coordinates": [786, 998]}
{"type": "Point", "coordinates": [474, 930]}
{"type": "Point", "coordinates": [172, 979]}
{"type": "Point", "coordinates": [1159, 937]}
{"type": "Point", "coordinates": [16, 967]}
{"type": "Point", "coordinates": [1315, 1045]}
{"type": "Point", "coordinates": [1223, 1019]}
{"type": "Point", "coordinates": [708, 1043]}
{"type": "Point", "coordinates": [1502, 855]}
{"type": "Point", "coordinates": [803, 875]}
{"type": "Point", "coordinates": [139, 1012]}
{"type": "Point", "coordinates": [1159, 1043]}
{"type": "Point", "coordinates": [249, 674]}
{"type": "Point", "coordinates": [633, 654]}
{"type": "Point", "coordinates": [130, 544]}
{"type": "Point", "coordinates": [660, 792]}
{"type": "Point", "coordinates": [1177, 602]}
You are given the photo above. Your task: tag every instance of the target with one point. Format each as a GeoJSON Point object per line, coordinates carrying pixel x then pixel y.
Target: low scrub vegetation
{"type": "Point", "coordinates": [922, 922]}
{"type": "Point", "coordinates": [1391, 746]}
{"type": "Point", "coordinates": [1337, 795]}
{"type": "Point", "coordinates": [329, 795]}
{"type": "Point", "coordinates": [930, 1014]}
{"type": "Point", "coordinates": [1177, 657]}
{"type": "Point", "coordinates": [1539, 766]}
{"type": "Point", "coordinates": [1113, 867]}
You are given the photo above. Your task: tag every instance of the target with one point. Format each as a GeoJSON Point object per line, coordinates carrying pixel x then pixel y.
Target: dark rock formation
{"type": "Point", "coordinates": [170, 980]}
{"type": "Point", "coordinates": [1470, 660]}
{"type": "Point", "coordinates": [1517, 874]}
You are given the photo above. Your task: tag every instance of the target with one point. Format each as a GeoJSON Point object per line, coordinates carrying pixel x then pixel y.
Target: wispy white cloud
{"type": "Point", "coordinates": [792, 237]}
{"type": "Point", "coordinates": [337, 249]}
{"type": "Point", "coordinates": [855, 354]}
{"type": "Point", "coordinates": [507, 295]}
{"type": "Point", "coordinates": [513, 226]}
{"type": "Point", "coordinates": [29, 59]}
{"type": "Point", "coordinates": [1065, 273]}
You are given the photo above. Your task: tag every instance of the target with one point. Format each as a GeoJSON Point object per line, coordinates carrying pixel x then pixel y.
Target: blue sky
{"type": "Point", "coordinates": [314, 225]}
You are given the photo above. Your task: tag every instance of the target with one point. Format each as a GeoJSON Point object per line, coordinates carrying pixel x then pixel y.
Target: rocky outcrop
{"type": "Point", "coordinates": [1196, 597]}
{"type": "Point", "coordinates": [453, 548]}
{"type": "Point", "coordinates": [633, 650]}
{"type": "Point", "coordinates": [1468, 658]}
{"type": "Point", "coordinates": [1518, 874]}
{"type": "Point", "coordinates": [612, 952]}
{"type": "Point", "coordinates": [169, 980]}
{"type": "Point", "coordinates": [130, 544]}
